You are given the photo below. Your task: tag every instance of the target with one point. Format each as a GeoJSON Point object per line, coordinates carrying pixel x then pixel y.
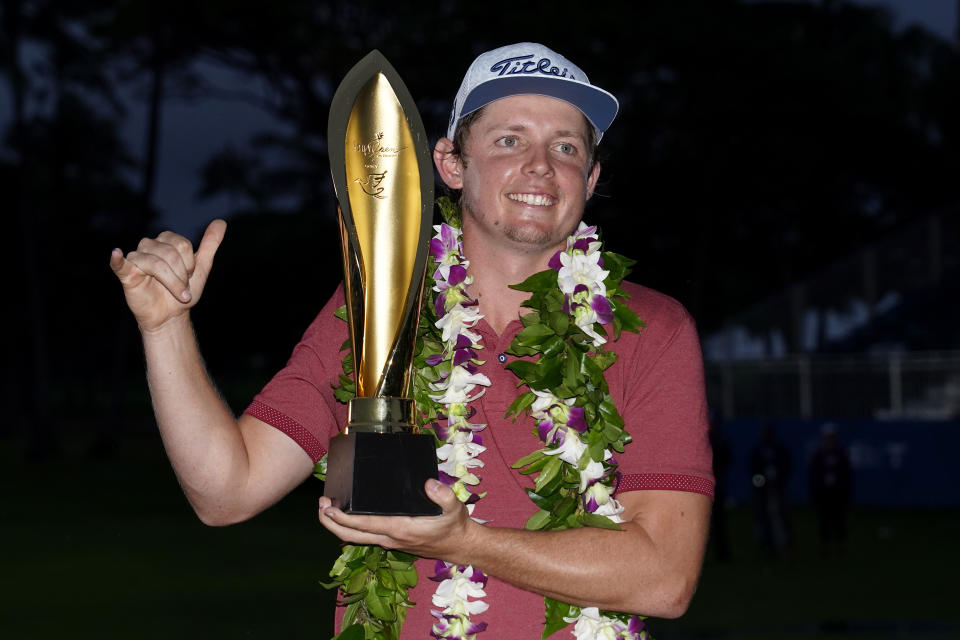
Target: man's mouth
{"type": "Point", "coordinates": [536, 199]}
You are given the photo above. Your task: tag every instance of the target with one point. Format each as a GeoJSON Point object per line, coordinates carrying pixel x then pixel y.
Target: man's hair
{"type": "Point", "coordinates": [466, 122]}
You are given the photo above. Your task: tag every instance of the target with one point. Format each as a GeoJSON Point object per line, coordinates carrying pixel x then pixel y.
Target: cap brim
{"type": "Point", "coordinates": [599, 106]}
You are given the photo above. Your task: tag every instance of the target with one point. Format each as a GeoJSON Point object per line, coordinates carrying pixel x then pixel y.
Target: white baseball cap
{"type": "Point", "coordinates": [531, 68]}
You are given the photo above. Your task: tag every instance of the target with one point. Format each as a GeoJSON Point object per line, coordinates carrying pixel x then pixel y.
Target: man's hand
{"type": "Point", "coordinates": [164, 278]}
{"type": "Point", "coordinates": [425, 536]}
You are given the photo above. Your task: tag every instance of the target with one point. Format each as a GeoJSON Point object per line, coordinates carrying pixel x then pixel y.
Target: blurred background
{"type": "Point", "coordinates": [781, 168]}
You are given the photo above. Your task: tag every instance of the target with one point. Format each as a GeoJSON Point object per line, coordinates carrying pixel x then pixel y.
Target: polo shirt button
{"type": "Point", "coordinates": [501, 357]}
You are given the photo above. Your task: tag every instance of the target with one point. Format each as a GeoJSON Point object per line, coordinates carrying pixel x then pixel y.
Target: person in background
{"type": "Point", "coordinates": [770, 467]}
{"type": "Point", "coordinates": [831, 486]}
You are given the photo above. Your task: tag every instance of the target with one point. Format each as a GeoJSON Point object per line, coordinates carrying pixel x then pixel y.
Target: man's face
{"type": "Point", "coordinates": [525, 176]}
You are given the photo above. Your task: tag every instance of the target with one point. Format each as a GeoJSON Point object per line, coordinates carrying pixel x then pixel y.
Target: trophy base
{"type": "Point", "coordinates": [381, 473]}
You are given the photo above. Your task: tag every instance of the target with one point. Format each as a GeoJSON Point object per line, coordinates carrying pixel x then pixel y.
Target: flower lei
{"type": "Point", "coordinates": [567, 397]}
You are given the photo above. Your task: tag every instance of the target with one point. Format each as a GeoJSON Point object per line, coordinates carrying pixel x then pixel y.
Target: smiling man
{"type": "Point", "coordinates": [520, 150]}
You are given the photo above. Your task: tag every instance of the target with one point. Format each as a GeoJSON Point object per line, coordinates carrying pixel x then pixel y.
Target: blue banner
{"type": "Point", "coordinates": [894, 464]}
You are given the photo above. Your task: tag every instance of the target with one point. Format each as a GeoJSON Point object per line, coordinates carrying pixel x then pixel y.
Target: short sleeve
{"type": "Point", "coordinates": [658, 385]}
{"type": "Point", "coordinates": [299, 400]}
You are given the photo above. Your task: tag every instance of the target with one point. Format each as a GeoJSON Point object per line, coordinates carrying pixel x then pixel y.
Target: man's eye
{"type": "Point", "coordinates": [507, 141]}
{"type": "Point", "coordinates": [566, 148]}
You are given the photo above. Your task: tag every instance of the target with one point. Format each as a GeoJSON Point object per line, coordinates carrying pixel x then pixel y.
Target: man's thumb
{"type": "Point", "coordinates": [209, 244]}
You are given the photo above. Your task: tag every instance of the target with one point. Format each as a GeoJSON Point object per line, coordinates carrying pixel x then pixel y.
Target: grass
{"type": "Point", "coordinates": [894, 581]}
{"type": "Point", "coordinates": [108, 548]}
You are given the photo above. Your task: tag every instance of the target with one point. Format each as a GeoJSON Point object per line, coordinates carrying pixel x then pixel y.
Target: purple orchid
{"type": "Point", "coordinates": [445, 242]}
{"type": "Point", "coordinates": [602, 307]}
{"type": "Point", "coordinates": [577, 420]}
{"type": "Point", "coordinates": [555, 263]}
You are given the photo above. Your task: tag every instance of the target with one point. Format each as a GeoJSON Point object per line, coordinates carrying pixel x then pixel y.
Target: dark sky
{"type": "Point", "coordinates": [192, 131]}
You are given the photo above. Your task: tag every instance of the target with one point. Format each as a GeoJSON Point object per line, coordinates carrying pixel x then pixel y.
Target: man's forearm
{"type": "Point", "coordinates": [199, 432]}
{"type": "Point", "coordinates": [613, 570]}
{"type": "Point", "coordinates": [650, 567]}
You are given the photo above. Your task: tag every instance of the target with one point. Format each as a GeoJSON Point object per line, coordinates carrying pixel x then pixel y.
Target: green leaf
{"type": "Point", "coordinates": [385, 578]}
{"type": "Point", "coordinates": [353, 632]}
{"type": "Point", "coordinates": [523, 401]}
{"type": "Point", "coordinates": [534, 335]}
{"type": "Point", "coordinates": [523, 369]}
{"type": "Point", "coordinates": [376, 606]}
{"type": "Point", "coordinates": [341, 313]}
{"type": "Point", "coordinates": [627, 317]}
{"type": "Point", "coordinates": [372, 559]}
{"type": "Point", "coordinates": [559, 322]}
{"type": "Point", "coordinates": [536, 466]}
{"type": "Point", "coordinates": [544, 502]}
{"type": "Point", "coordinates": [528, 319]}
{"type": "Point", "coordinates": [555, 612]}
{"type": "Point", "coordinates": [545, 279]}
{"type": "Point", "coordinates": [537, 520]}
{"type": "Point", "coordinates": [320, 469]}
{"type": "Point", "coordinates": [342, 395]}
{"type": "Point", "coordinates": [355, 598]}
{"type": "Point", "coordinates": [562, 508]}
{"type": "Point", "coordinates": [595, 446]}
{"type": "Point", "coordinates": [549, 374]}
{"type": "Point", "coordinates": [449, 211]}
{"type": "Point", "coordinates": [571, 368]}
{"type": "Point", "coordinates": [552, 347]}
{"type": "Point", "coordinates": [618, 266]}
{"type": "Point", "coordinates": [407, 577]}
{"type": "Point", "coordinates": [528, 459]}
{"type": "Point", "coordinates": [356, 581]}
{"type": "Point", "coordinates": [604, 359]}
{"type": "Point", "coordinates": [550, 470]}
{"type": "Point", "coordinates": [601, 522]}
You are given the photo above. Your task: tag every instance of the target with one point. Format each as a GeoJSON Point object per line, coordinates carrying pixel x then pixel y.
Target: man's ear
{"type": "Point", "coordinates": [448, 164]}
{"type": "Point", "coordinates": [592, 179]}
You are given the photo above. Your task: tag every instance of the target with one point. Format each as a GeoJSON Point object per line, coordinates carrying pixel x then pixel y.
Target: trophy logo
{"type": "Point", "coordinates": [383, 178]}
{"type": "Point", "coordinates": [371, 184]}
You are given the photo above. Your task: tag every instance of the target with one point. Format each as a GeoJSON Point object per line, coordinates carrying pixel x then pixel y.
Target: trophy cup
{"type": "Point", "coordinates": [383, 177]}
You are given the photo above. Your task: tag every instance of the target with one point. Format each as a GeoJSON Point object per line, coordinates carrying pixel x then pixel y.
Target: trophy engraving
{"type": "Point", "coordinates": [383, 178]}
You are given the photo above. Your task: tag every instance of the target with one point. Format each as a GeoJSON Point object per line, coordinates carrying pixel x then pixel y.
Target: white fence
{"type": "Point", "coordinates": [919, 386]}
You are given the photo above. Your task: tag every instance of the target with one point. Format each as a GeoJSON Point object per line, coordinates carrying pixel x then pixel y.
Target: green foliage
{"type": "Point", "coordinates": [569, 367]}
{"type": "Point", "coordinates": [555, 613]}
{"type": "Point", "coordinates": [320, 469]}
{"type": "Point", "coordinates": [374, 584]}
{"type": "Point", "coordinates": [449, 211]}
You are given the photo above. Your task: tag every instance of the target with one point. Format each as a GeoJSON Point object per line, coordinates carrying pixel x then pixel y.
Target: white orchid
{"type": "Point", "coordinates": [592, 626]}
{"type": "Point", "coordinates": [581, 269]}
{"type": "Point", "coordinates": [571, 449]}
{"type": "Point", "coordinates": [453, 593]}
{"type": "Point", "coordinates": [458, 386]}
{"type": "Point", "coordinates": [544, 401]}
{"type": "Point", "coordinates": [458, 321]}
{"type": "Point", "coordinates": [594, 471]}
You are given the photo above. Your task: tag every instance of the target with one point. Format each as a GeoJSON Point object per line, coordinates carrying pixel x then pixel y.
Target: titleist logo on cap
{"type": "Point", "coordinates": [530, 68]}
{"type": "Point", "coordinates": [524, 64]}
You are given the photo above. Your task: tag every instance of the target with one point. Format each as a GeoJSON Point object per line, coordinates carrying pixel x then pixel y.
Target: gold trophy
{"type": "Point", "coordinates": [383, 177]}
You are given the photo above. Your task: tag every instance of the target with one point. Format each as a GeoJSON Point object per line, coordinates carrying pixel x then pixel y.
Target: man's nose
{"type": "Point", "coordinates": [538, 161]}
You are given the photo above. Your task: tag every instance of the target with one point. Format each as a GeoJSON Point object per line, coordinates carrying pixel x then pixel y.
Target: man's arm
{"type": "Point", "coordinates": [230, 469]}
{"type": "Point", "coordinates": [650, 567]}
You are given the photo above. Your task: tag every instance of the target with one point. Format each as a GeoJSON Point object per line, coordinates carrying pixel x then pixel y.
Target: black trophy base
{"type": "Point", "coordinates": [381, 473]}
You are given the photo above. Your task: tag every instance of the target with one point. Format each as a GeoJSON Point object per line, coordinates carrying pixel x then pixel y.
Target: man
{"type": "Point", "coordinates": [770, 468]}
{"type": "Point", "coordinates": [831, 486]}
{"type": "Point", "coordinates": [520, 149]}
